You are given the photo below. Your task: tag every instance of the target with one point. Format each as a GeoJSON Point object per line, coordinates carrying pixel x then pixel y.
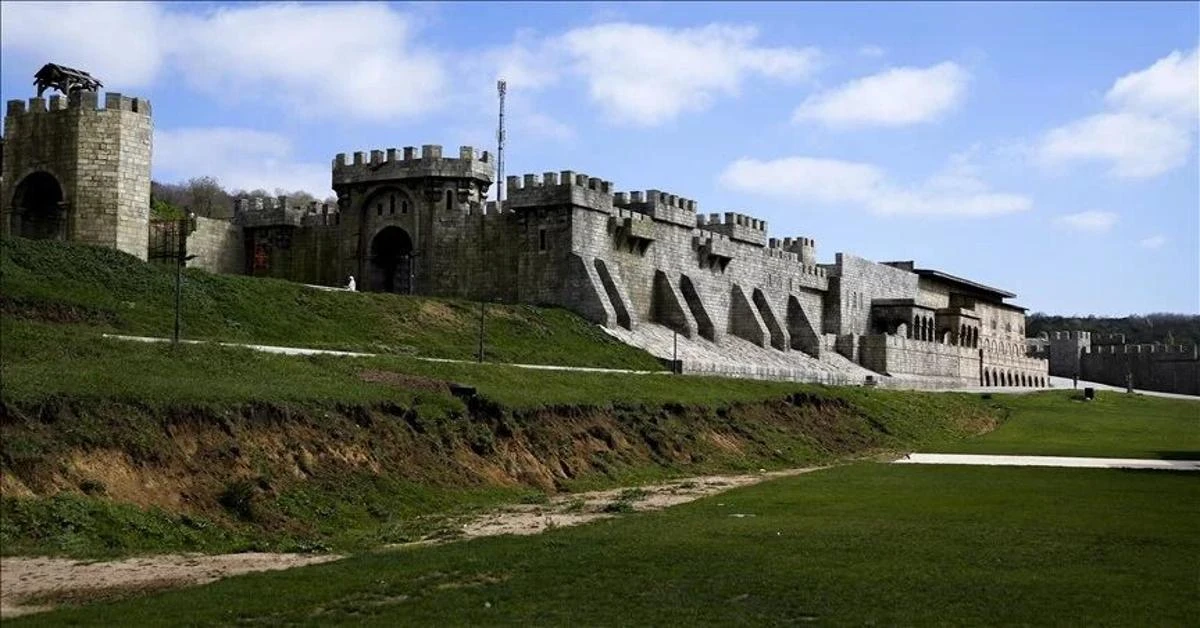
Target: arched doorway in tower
{"type": "Point", "coordinates": [390, 263]}
{"type": "Point", "coordinates": [38, 208]}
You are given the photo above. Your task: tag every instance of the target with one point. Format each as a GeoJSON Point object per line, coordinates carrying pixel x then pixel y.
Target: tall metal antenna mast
{"type": "Point", "coordinates": [501, 88]}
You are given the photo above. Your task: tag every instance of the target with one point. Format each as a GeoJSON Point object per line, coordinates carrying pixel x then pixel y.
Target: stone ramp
{"type": "Point", "coordinates": [736, 357]}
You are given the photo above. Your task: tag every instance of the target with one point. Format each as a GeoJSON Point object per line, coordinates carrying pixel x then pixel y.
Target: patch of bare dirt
{"type": "Point", "coordinates": [438, 314]}
{"type": "Point", "coordinates": [54, 312]}
{"type": "Point", "coordinates": [31, 585]}
{"type": "Point", "coordinates": [407, 382]}
{"type": "Point", "coordinates": [578, 508]}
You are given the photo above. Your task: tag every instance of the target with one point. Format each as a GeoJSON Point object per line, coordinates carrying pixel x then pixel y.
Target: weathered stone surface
{"type": "Point", "coordinates": [99, 157]}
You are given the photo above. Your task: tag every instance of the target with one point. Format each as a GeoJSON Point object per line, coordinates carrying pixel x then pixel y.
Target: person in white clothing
{"type": "Point", "coordinates": [351, 286]}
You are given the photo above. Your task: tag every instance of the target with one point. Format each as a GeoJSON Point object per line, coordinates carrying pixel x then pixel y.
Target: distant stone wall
{"type": "Point", "coordinates": [1164, 368]}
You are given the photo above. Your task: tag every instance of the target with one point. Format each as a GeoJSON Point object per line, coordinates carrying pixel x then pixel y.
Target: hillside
{"type": "Point", "coordinates": [106, 290]}
{"type": "Point", "coordinates": [112, 447]}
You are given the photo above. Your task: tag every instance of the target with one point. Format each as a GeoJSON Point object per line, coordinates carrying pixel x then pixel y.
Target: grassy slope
{"type": "Point", "coordinates": [111, 291]}
{"type": "Point", "coordinates": [1113, 425]}
{"type": "Point", "coordinates": [886, 545]}
{"type": "Point", "coordinates": [139, 402]}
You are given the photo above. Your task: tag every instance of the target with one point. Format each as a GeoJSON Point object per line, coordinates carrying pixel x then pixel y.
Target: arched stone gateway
{"type": "Point", "coordinates": [39, 210]}
{"type": "Point", "coordinates": [391, 264]}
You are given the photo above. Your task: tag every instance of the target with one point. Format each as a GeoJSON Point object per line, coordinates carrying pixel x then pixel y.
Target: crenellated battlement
{"type": "Point", "coordinates": [654, 197]}
{"type": "Point", "coordinates": [660, 205]}
{"type": "Point", "coordinates": [277, 212]}
{"type": "Point", "coordinates": [737, 226]}
{"type": "Point", "coordinates": [1157, 351]}
{"type": "Point", "coordinates": [78, 101]}
{"type": "Point", "coordinates": [564, 179]}
{"type": "Point", "coordinates": [429, 152]}
{"type": "Point", "coordinates": [730, 219]}
{"type": "Point", "coordinates": [559, 188]}
{"type": "Point", "coordinates": [795, 245]}
{"type": "Point", "coordinates": [1071, 335]}
{"type": "Point", "coordinates": [390, 164]}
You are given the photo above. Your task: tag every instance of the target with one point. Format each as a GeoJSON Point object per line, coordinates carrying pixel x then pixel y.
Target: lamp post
{"type": "Point", "coordinates": [675, 352]}
{"type": "Point", "coordinates": [181, 260]}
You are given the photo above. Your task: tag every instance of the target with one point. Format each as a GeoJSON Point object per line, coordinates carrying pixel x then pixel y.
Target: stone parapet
{"type": "Point", "coordinates": [566, 188]}
{"type": "Point", "coordinates": [390, 164]}
{"type": "Point", "coordinates": [737, 226]}
{"type": "Point", "coordinates": [78, 101]}
{"type": "Point", "coordinates": [660, 206]}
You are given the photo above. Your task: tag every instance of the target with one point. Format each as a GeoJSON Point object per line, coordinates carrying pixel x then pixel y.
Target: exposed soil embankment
{"type": "Point", "coordinates": [308, 472]}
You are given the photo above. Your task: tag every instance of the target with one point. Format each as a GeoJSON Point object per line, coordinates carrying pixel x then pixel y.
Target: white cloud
{"type": "Point", "coordinates": [238, 158]}
{"type": "Point", "coordinates": [1170, 87]}
{"type": "Point", "coordinates": [896, 97]}
{"type": "Point", "coordinates": [117, 42]}
{"type": "Point", "coordinates": [1090, 221]}
{"type": "Point", "coordinates": [645, 75]}
{"type": "Point", "coordinates": [955, 191]}
{"type": "Point", "coordinates": [526, 64]}
{"type": "Point", "coordinates": [1149, 129]}
{"type": "Point", "coordinates": [808, 178]}
{"type": "Point", "coordinates": [1136, 146]}
{"type": "Point", "coordinates": [353, 60]}
{"type": "Point", "coordinates": [871, 51]}
{"type": "Point", "coordinates": [1152, 242]}
{"type": "Point", "coordinates": [324, 60]}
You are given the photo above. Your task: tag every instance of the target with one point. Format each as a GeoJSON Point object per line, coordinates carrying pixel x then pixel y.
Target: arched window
{"type": "Point", "coordinates": [449, 199]}
{"type": "Point", "coordinates": [391, 203]}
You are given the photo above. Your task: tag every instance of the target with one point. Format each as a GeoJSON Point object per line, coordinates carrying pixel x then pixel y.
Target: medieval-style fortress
{"type": "Point", "coordinates": [713, 290]}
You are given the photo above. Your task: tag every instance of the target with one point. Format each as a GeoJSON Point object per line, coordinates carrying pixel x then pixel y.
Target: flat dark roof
{"type": "Point", "coordinates": [978, 287]}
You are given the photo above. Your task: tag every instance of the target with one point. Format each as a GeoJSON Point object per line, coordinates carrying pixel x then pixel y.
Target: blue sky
{"type": "Point", "coordinates": [1047, 149]}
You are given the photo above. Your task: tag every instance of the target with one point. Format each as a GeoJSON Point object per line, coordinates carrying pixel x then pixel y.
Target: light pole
{"type": "Point", "coordinates": [181, 260]}
{"type": "Point", "coordinates": [675, 352]}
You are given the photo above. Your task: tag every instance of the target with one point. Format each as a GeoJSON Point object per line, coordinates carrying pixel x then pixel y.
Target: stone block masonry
{"type": "Point", "coordinates": [76, 170]}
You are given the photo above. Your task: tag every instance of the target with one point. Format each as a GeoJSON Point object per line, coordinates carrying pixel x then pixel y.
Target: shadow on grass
{"type": "Point", "coordinates": [1179, 455]}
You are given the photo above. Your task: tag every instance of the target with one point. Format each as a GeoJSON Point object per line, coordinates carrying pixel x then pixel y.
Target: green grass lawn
{"type": "Point", "coordinates": [110, 291]}
{"type": "Point", "coordinates": [863, 544]}
{"type": "Point", "coordinates": [1115, 424]}
{"type": "Point", "coordinates": [34, 356]}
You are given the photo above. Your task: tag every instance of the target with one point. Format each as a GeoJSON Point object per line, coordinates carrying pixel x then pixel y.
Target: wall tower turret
{"type": "Point", "coordinates": [76, 170]}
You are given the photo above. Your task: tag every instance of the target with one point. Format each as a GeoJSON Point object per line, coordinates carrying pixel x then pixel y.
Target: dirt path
{"type": "Point", "coordinates": [576, 508]}
{"type": "Point", "coordinates": [30, 585]}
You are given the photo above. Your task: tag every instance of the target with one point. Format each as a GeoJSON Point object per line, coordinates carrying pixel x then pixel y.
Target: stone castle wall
{"type": "Point", "coordinates": [1165, 368]}
{"type": "Point", "coordinates": [98, 156]}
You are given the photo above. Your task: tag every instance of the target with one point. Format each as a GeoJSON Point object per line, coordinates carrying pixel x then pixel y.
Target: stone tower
{"type": "Point", "coordinates": [405, 218]}
{"type": "Point", "coordinates": [76, 171]}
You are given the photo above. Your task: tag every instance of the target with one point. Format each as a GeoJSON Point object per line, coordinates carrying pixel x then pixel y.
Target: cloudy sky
{"type": "Point", "coordinates": [1047, 149]}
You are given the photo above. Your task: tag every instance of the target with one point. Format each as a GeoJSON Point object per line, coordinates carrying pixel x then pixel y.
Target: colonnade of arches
{"type": "Point", "coordinates": [925, 328]}
{"type": "Point", "coordinates": [1001, 377]}
{"type": "Point", "coordinates": [1006, 348]}
{"type": "Point", "coordinates": [922, 328]}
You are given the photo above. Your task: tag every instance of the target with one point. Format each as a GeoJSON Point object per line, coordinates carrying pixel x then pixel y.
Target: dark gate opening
{"type": "Point", "coordinates": [391, 261]}
{"type": "Point", "coordinates": [38, 208]}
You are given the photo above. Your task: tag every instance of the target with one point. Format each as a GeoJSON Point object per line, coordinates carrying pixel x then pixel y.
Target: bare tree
{"type": "Point", "coordinates": [208, 198]}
